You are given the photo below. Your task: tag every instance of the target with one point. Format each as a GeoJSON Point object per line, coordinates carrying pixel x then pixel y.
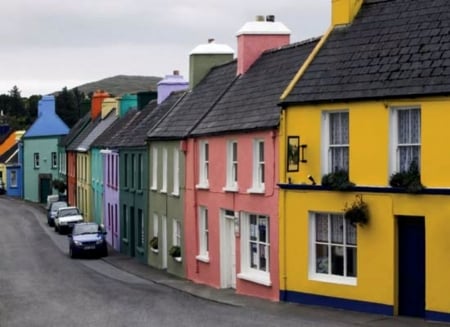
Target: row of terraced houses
{"type": "Point", "coordinates": [246, 176]}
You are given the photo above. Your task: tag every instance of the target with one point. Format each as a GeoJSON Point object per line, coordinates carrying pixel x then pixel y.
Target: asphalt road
{"type": "Point", "coordinates": [41, 286]}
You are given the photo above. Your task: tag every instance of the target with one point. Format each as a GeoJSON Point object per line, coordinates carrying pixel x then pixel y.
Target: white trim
{"type": "Point", "coordinates": [202, 258]}
{"type": "Point", "coordinates": [203, 165]}
{"type": "Point", "coordinates": [263, 279]}
{"type": "Point", "coordinates": [176, 172]}
{"type": "Point", "coordinates": [232, 167]}
{"type": "Point", "coordinates": [154, 186]}
{"type": "Point", "coordinates": [164, 170]}
{"type": "Point", "coordinates": [258, 186]}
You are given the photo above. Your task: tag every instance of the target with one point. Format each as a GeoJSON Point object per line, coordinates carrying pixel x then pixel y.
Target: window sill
{"type": "Point", "coordinates": [178, 259]}
{"type": "Point", "coordinates": [230, 188]}
{"type": "Point", "coordinates": [255, 190]}
{"type": "Point", "coordinates": [262, 279]}
{"type": "Point", "coordinates": [154, 189]}
{"type": "Point", "coordinates": [202, 258]}
{"type": "Point", "coordinates": [156, 251]}
{"type": "Point", "coordinates": [204, 186]}
{"type": "Point", "coordinates": [163, 191]}
{"type": "Point", "coordinates": [139, 192]}
{"type": "Point", "coordinates": [351, 281]}
{"type": "Point", "coordinates": [175, 194]}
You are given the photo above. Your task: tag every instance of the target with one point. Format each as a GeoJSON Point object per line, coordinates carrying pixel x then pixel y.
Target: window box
{"type": "Point", "coordinates": [337, 180]}
{"type": "Point", "coordinates": [154, 244]}
{"type": "Point", "coordinates": [175, 253]}
{"type": "Point", "coordinates": [408, 180]}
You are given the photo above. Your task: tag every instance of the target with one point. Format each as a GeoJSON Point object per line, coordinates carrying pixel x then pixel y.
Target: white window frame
{"type": "Point", "coordinates": [176, 240]}
{"type": "Point", "coordinates": [154, 186]}
{"type": "Point", "coordinates": [394, 163]}
{"type": "Point", "coordinates": [203, 234]}
{"type": "Point", "coordinates": [259, 174]}
{"type": "Point", "coordinates": [328, 277]}
{"type": "Point", "coordinates": [176, 172]}
{"type": "Point", "coordinates": [36, 160]}
{"type": "Point", "coordinates": [327, 164]}
{"type": "Point", "coordinates": [247, 231]}
{"type": "Point", "coordinates": [164, 170]}
{"type": "Point", "coordinates": [203, 165]}
{"type": "Point", "coordinates": [232, 167]}
{"type": "Point", "coordinates": [155, 225]}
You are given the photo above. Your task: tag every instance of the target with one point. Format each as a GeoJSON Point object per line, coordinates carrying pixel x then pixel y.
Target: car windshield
{"type": "Point", "coordinates": [86, 229]}
{"type": "Point", "coordinates": [68, 212]}
{"type": "Point", "coordinates": [57, 205]}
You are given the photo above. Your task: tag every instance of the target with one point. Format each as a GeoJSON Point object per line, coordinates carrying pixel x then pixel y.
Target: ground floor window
{"type": "Point", "coordinates": [333, 248]}
{"type": "Point", "coordinates": [255, 248]}
{"type": "Point", "coordinates": [141, 230]}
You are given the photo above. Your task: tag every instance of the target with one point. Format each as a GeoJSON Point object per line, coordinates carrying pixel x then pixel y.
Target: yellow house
{"type": "Point", "coordinates": [364, 124]}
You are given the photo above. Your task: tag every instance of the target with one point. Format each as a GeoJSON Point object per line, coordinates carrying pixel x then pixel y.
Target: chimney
{"type": "Point", "coordinates": [46, 105]}
{"type": "Point", "coordinates": [169, 84]}
{"type": "Point", "coordinates": [344, 11]}
{"type": "Point", "coordinates": [108, 105]}
{"type": "Point", "coordinates": [127, 102]}
{"type": "Point", "coordinates": [258, 36]}
{"type": "Point", "coordinates": [96, 103]}
{"type": "Point", "coordinates": [205, 56]}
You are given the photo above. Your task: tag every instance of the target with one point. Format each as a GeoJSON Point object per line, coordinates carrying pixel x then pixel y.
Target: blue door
{"type": "Point", "coordinates": [411, 265]}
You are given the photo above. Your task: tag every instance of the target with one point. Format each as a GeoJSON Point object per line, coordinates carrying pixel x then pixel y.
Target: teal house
{"type": "Point", "coordinates": [40, 151]}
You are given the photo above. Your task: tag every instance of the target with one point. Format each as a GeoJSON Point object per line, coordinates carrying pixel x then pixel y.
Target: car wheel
{"type": "Point", "coordinates": [71, 253]}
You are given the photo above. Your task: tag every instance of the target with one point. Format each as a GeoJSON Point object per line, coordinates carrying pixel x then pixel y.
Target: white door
{"type": "Point", "coordinates": [228, 250]}
{"type": "Point", "coordinates": [164, 241]}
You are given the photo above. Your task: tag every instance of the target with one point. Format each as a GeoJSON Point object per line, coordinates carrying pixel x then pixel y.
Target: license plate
{"type": "Point", "coordinates": [89, 247]}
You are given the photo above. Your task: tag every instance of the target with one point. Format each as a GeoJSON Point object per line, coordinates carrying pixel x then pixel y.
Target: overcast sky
{"type": "Point", "coordinates": [49, 44]}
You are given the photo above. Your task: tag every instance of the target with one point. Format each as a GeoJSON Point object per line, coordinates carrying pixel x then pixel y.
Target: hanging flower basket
{"type": "Point", "coordinates": [357, 212]}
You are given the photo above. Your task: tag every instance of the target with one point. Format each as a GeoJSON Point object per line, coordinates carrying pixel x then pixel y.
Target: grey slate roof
{"type": "Point", "coordinates": [13, 150]}
{"type": "Point", "coordinates": [186, 114]}
{"type": "Point", "coordinates": [98, 130]}
{"type": "Point", "coordinates": [251, 102]}
{"type": "Point", "coordinates": [108, 138]}
{"type": "Point", "coordinates": [75, 130]}
{"type": "Point", "coordinates": [393, 48]}
{"type": "Point", "coordinates": [73, 146]}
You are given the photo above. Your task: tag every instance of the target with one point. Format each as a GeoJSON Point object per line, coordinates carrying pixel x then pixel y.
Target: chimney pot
{"type": "Point", "coordinates": [176, 72]}
{"type": "Point", "coordinates": [270, 18]}
{"type": "Point", "coordinates": [259, 18]}
{"type": "Point", "coordinates": [211, 40]}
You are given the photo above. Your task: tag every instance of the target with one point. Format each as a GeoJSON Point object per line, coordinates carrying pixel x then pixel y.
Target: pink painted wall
{"type": "Point", "coordinates": [216, 199]}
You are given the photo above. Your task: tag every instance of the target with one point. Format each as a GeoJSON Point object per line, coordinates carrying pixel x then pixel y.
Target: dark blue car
{"type": "Point", "coordinates": [87, 238]}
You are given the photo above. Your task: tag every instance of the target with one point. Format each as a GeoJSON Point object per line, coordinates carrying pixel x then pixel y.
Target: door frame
{"type": "Point", "coordinates": [227, 250]}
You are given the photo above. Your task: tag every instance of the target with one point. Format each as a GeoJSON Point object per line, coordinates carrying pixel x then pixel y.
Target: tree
{"type": "Point", "coordinates": [68, 105]}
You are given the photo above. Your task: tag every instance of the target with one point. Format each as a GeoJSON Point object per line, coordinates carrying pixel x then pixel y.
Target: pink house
{"type": "Point", "coordinates": [231, 203]}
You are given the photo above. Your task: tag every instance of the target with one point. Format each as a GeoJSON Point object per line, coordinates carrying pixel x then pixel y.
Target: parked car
{"type": "Point", "coordinates": [66, 218]}
{"type": "Point", "coordinates": [87, 238]}
{"type": "Point", "coordinates": [52, 210]}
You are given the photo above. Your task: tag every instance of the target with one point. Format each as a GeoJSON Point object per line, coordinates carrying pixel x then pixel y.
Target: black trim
{"type": "Point", "coordinates": [368, 189]}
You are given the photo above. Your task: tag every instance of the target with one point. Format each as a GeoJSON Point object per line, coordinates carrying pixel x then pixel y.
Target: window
{"type": "Point", "coordinates": [13, 178]}
{"type": "Point", "coordinates": [176, 232]}
{"type": "Point", "coordinates": [232, 166]}
{"type": "Point", "coordinates": [154, 168]}
{"type": "Point", "coordinates": [140, 171]}
{"type": "Point", "coordinates": [176, 172]}
{"type": "Point", "coordinates": [332, 249]}
{"type": "Point", "coordinates": [255, 248]}
{"type": "Point", "coordinates": [36, 160]}
{"type": "Point", "coordinates": [258, 185]}
{"type": "Point", "coordinates": [204, 165]}
{"type": "Point", "coordinates": [133, 170]}
{"type": "Point", "coordinates": [336, 141]}
{"type": "Point", "coordinates": [54, 160]}
{"type": "Point", "coordinates": [155, 225]}
{"type": "Point", "coordinates": [141, 229]}
{"type": "Point", "coordinates": [164, 171]}
{"type": "Point", "coordinates": [125, 170]}
{"type": "Point", "coordinates": [125, 222]}
{"type": "Point", "coordinates": [203, 235]}
{"type": "Point", "coordinates": [406, 138]}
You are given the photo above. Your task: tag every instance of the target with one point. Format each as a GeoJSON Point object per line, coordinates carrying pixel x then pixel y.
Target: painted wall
{"type": "Point", "coordinates": [169, 204]}
{"type": "Point", "coordinates": [83, 183]}
{"type": "Point", "coordinates": [97, 185]}
{"type": "Point", "coordinates": [72, 178]}
{"type": "Point", "coordinates": [111, 205]}
{"type": "Point", "coordinates": [44, 146]}
{"type": "Point", "coordinates": [215, 199]}
{"type": "Point", "coordinates": [377, 277]}
{"type": "Point", "coordinates": [14, 190]}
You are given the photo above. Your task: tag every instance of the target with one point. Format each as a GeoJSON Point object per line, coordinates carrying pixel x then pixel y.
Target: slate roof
{"type": "Point", "coordinates": [73, 146]}
{"type": "Point", "coordinates": [393, 48]}
{"type": "Point", "coordinates": [75, 130]}
{"type": "Point", "coordinates": [184, 116]}
{"type": "Point", "coordinates": [251, 103]}
{"type": "Point", "coordinates": [10, 156]}
{"type": "Point", "coordinates": [108, 138]}
{"type": "Point", "coordinates": [47, 124]}
{"type": "Point", "coordinates": [98, 130]}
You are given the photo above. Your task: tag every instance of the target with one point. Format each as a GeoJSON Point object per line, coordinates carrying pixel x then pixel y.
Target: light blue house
{"type": "Point", "coordinates": [40, 151]}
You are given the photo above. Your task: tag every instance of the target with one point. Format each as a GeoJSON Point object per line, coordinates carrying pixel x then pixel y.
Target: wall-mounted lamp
{"type": "Point", "coordinates": [312, 180]}
{"type": "Point", "coordinates": [302, 152]}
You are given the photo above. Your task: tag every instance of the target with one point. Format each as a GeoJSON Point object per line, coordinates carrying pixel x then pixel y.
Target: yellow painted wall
{"type": "Point", "coordinates": [84, 192]}
{"type": "Point", "coordinates": [343, 11]}
{"type": "Point", "coordinates": [369, 166]}
{"type": "Point", "coordinates": [109, 104]}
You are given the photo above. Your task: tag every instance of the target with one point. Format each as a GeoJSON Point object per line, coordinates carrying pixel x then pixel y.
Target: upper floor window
{"type": "Point", "coordinates": [176, 172]}
{"type": "Point", "coordinates": [258, 181]}
{"type": "Point", "coordinates": [140, 170]}
{"type": "Point", "coordinates": [203, 235]}
{"type": "Point", "coordinates": [336, 141]}
{"type": "Point", "coordinates": [133, 170]}
{"type": "Point", "coordinates": [36, 160]}
{"type": "Point", "coordinates": [232, 166]}
{"type": "Point", "coordinates": [203, 165]}
{"type": "Point", "coordinates": [125, 161]}
{"type": "Point", "coordinates": [405, 138]}
{"type": "Point", "coordinates": [333, 249]}
{"type": "Point", "coordinates": [154, 168]}
{"type": "Point", "coordinates": [164, 170]}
